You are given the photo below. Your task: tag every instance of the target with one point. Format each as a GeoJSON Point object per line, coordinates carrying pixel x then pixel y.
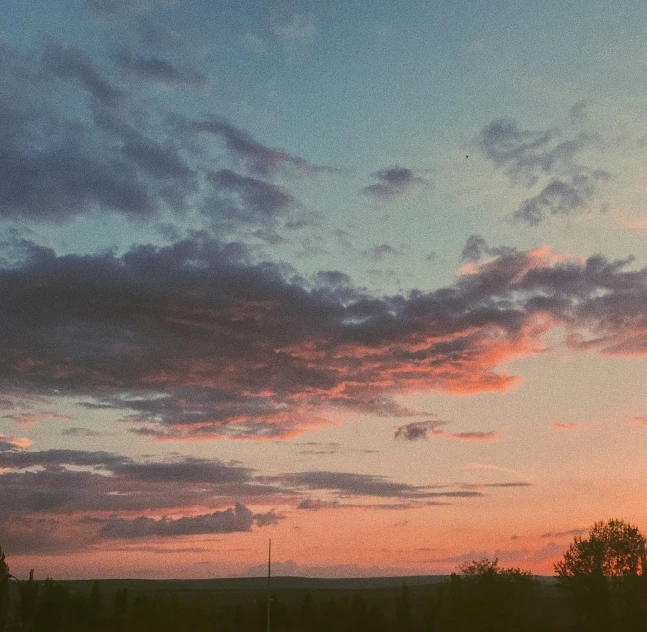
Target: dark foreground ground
{"type": "Point", "coordinates": [384, 604]}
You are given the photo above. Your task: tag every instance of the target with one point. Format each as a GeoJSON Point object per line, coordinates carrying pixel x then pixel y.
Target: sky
{"type": "Point", "coordinates": [365, 278]}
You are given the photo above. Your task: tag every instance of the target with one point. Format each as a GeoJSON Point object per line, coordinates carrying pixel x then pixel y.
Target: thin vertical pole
{"type": "Point", "coordinates": [269, 576]}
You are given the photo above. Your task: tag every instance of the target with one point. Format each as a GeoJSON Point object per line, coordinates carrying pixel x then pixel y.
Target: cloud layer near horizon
{"type": "Point", "coordinates": [60, 501]}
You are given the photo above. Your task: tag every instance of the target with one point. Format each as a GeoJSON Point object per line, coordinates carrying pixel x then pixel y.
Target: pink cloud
{"type": "Point", "coordinates": [32, 419]}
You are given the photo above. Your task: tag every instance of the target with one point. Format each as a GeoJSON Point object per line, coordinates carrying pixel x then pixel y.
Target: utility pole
{"type": "Point", "coordinates": [269, 577]}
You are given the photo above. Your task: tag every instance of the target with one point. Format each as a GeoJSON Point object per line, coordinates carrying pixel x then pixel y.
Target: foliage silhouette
{"type": "Point", "coordinates": [28, 598]}
{"type": "Point", "coordinates": [4, 590]}
{"type": "Point", "coordinates": [486, 597]}
{"type": "Point", "coordinates": [605, 574]}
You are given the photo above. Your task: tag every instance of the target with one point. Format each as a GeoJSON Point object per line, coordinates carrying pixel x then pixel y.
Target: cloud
{"type": "Point", "coordinates": [96, 496]}
{"type": "Point", "coordinates": [289, 24]}
{"type": "Point", "coordinates": [562, 534]}
{"type": "Point", "coordinates": [418, 430]}
{"type": "Point", "coordinates": [72, 481]}
{"type": "Point", "coordinates": [193, 341]}
{"type": "Point", "coordinates": [116, 8]}
{"type": "Point", "coordinates": [639, 420]}
{"type": "Point", "coordinates": [30, 420]}
{"type": "Point", "coordinates": [383, 251]}
{"type": "Point", "coordinates": [545, 159]}
{"type": "Point", "coordinates": [80, 432]}
{"type": "Point", "coordinates": [13, 444]}
{"type": "Point", "coordinates": [476, 249]}
{"type": "Point", "coordinates": [39, 535]}
{"type": "Point", "coordinates": [171, 40]}
{"type": "Point", "coordinates": [53, 168]}
{"type": "Point", "coordinates": [507, 484]}
{"type": "Point", "coordinates": [159, 70]}
{"type": "Point", "coordinates": [315, 504]}
{"type": "Point", "coordinates": [393, 182]}
{"type": "Point", "coordinates": [260, 159]}
{"type": "Point", "coordinates": [561, 198]}
{"type": "Point", "coordinates": [350, 483]}
{"type": "Point", "coordinates": [253, 197]}
{"type": "Point", "coordinates": [69, 62]}
{"type": "Point", "coordinates": [562, 426]}
{"type": "Point", "coordinates": [255, 44]}
{"type": "Point", "coordinates": [236, 519]}
{"type": "Point", "coordinates": [115, 156]}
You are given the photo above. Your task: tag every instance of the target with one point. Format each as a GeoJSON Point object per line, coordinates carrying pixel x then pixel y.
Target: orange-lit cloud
{"type": "Point", "coordinates": [227, 349]}
{"type": "Point", "coordinates": [12, 444]}
{"type": "Point", "coordinates": [30, 420]}
{"type": "Point", "coordinates": [564, 426]}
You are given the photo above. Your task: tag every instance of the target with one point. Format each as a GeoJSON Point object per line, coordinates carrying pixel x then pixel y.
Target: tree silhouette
{"type": "Point", "coordinates": [486, 597]}
{"type": "Point", "coordinates": [403, 610]}
{"type": "Point", "coordinates": [605, 573]}
{"type": "Point", "coordinates": [612, 549]}
{"type": "Point", "coordinates": [94, 605]}
{"type": "Point", "coordinates": [4, 590]}
{"type": "Point", "coordinates": [308, 618]}
{"type": "Point", "coordinates": [121, 607]}
{"type": "Point", "coordinates": [28, 597]}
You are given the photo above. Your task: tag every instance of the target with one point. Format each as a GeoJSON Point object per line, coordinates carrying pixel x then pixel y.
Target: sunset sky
{"type": "Point", "coordinates": [366, 278]}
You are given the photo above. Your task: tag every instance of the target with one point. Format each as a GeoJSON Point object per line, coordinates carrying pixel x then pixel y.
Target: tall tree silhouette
{"type": "Point", "coordinates": [28, 597]}
{"type": "Point", "coordinates": [605, 573]}
{"type": "Point", "coordinates": [4, 590]}
{"type": "Point", "coordinates": [403, 610]}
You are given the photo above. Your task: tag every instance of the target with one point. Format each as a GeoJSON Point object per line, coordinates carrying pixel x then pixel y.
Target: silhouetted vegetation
{"type": "Point", "coordinates": [605, 575]}
{"type": "Point", "coordinates": [600, 587]}
{"type": "Point", "coordinates": [4, 590]}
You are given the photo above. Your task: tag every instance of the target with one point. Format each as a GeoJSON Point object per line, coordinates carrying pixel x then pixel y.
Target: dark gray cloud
{"type": "Point", "coordinates": [418, 430]}
{"type": "Point", "coordinates": [12, 445]}
{"type": "Point", "coordinates": [544, 159]}
{"type": "Point", "coordinates": [352, 484]}
{"type": "Point", "coordinates": [382, 252]}
{"type": "Point", "coordinates": [561, 198]}
{"type": "Point", "coordinates": [76, 480]}
{"type": "Point", "coordinates": [192, 340]}
{"type": "Point", "coordinates": [314, 504]}
{"type": "Point", "coordinates": [69, 62]}
{"type": "Point", "coordinates": [38, 535]}
{"type": "Point", "coordinates": [393, 182]}
{"type": "Point", "coordinates": [94, 496]}
{"type": "Point", "coordinates": [159, 70]}
{"type": "Point", "coordinates": [253, 198]}
{"type": "Point", "coordinates": [476, 248]}
{"type": "Point", "coordinates": [260, 159]}
{"type": "Point", "coordinates": [525, 153]}
{"type": "Point", "coordinates": [52, 168]}
{"type": "Point", "coordinates": [80, 432]}
{"type": "Point", "coordinates": [114, 156]}
{"type": "Point", "coordinates": [236, 519]}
